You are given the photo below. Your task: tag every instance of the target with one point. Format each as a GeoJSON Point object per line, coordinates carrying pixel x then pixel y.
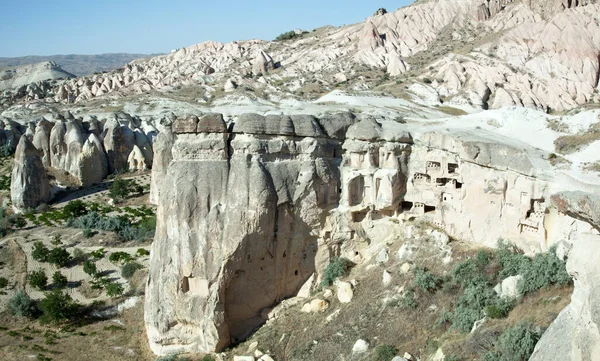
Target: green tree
{"type": "Point", "coordinates": [59, 257]}
{"type": "Point", "coordinates": [40, 252]}
{"type": "Point", "coordinates": [59, 280]}
{"type": "Point", "coordinates": [129, 269]}
{"type": "Point", "coordinates": [38, 279]}
{"type": "Point", "coordinates": [58, 306]}
{"type": "Point", "coordinates": [119, 189]}
{"type": "Point", "coordinates": [89, 268]}
{"type": "Point", "coordinates": [113, 289]}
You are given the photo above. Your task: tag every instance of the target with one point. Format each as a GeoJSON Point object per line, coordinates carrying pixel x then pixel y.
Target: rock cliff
{"type": "Point", "coordinates": [248, 212]}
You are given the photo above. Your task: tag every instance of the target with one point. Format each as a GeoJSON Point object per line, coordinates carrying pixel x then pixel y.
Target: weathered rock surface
{"type": "Point", "coordinates": [29, 183]}
{"type": "Point", "coordinates": [269, 202]}
{"type": "Point", "coordinates": [92, 163]}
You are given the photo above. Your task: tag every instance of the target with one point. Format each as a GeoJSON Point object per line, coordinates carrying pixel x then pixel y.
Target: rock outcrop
{"type": "Point", "coordinates": [267, 203]}
{"type": "Point", "coordinates": [29, 185]}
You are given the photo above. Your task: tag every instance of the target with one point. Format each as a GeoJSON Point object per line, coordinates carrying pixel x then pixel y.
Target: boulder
{"type": "Point", "coordinates": [360, 346]}
{"type": "Point", "coordinates": [508, 288]}
{"type": "Point", "coordinates": [344, 291]}
{"type": "Point", "coordinates": [29, 183]}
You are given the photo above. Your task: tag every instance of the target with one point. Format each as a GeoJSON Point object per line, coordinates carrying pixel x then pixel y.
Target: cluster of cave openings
{"type": "Point", "coordinates": [433, 165]}
{"type": "Point", "coordinates": [421, 178]}
{"type": "Point", "coordinates": [356, 191]}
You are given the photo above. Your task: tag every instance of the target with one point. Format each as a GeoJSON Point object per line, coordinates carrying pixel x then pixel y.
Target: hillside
{"type": "Point", "coordinates": [78, 64]}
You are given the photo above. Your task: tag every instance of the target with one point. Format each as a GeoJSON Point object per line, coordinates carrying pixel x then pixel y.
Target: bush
{"type": "Point", "coordinates": [40, 252]}
{"type": "Point", "coordinates": [515, 344]}
{"type": "Point", "coordinates": [3, 282]}
{"type": "Point", "coordinates": [286, 36]}
{"type": "Point", "coordinates": [89, 268]}
{"type": "Point", "coordinates": [120, 189]}
{"type": "Point", "coordinates": [113, 289]}
{"type": "Point", "coordinates": [463, 318]}
{"type": "Point", "coordinates": [426, 281]}
{"type": "Point", "coordinates": [129, 269]}
{"type": "Point", "coordinates": [58, 306]}
{"type": "Point", "coordinates": [88, 233]}
{"type": "Point", "coordinates": [384, 353]}
{"type": "Point", "coordinates": [59, 257]}
{"type": "Point", "coordinates": [544, 270]}
{"type": "Point", "coordinates": [59, 280]}
{"type": "Point", "coordinates": [79, 256]}
{"type": "Point", "coordinates": [500, 309]}
{"type": "Point", "coordinates": [74, 209]}
{"type": "Point", "coordinates": [510, 260]}
{"type": "Point", "coordinates": [38, 279]}
{"type": "Point", "coordinates": [21, 305]}
{"type": "Point", "coordinates": [338, 267]}
{"type": "Point", "coordinates": [98, 254]}
{"type": "Point", "coordinates": [120, 257]}
{"type": "Point", "coordinates": [409, 301]}
{"type": "Point", "coordinates": [141, 252]}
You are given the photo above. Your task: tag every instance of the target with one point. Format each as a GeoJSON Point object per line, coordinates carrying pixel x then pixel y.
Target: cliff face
{"type": "Point", "coordinates": [247, 214]}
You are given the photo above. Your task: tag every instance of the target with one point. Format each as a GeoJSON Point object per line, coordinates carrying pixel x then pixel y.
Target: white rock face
{"type": "Point", "coordinates": [29, 185]}
{"type": "Point", "coordinates": [344, 291]}
{"type": "Point", "coordinates": [226, 195]}
{"type": "Point", "coordinates": [508, 288]}
{"type": "Point", "coordinates": [360, 346]}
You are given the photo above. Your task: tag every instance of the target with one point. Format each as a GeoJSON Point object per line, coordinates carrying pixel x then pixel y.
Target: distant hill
{"type": "Point", "coordinates": [78, 64]}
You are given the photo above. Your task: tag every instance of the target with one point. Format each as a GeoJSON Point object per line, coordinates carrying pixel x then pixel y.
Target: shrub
{"type": "Point", "coordinates": [113, 289]}
{"type": "Point", "coordinates": [544, 270]}
{"type": "Point", "coordinates": [3, 282]}
{"type": "Point", "coordinates": [59, 257]}
{"type": "Point", "coordinates": [89, 268]}
{"type": "Point", "coordinates": [426, 281]}
{"type": "Point", "coordinates": [40, 252]}
{"type": "Point", "coordinates": [74, 209]}
{"type": "Point", "coordinates": [141, 252]}
{"type": "Point", "coordinates": [384, 353]}
{"type": "Point", "coordinates": [98, 254]}
{"type": "Point", "coordinates": [58, 306]}
{"type": "Point", "coordinates": [286, 36]}
{"type": "Point", "coordinates": [59, 280]}
{"type": "Point", "coordinates": [500, 309]}
{"type": "Point", "coordinates": [119, 189]}
{"type": "Point", "coordinates": [464, 317]}
{"type": "Point", "coordinates": [515, 344]}
{"type": "Point", "coordinates": [88, 233]}
{"type": "Point", "coordinates": [207, 358]}
{"type": "Point", "coordinates": [120, 257]}
{"type": "Point", "coordinates": [79, 256]}
{"type": "Point", "coordinates": [467, 273]}
{"type": "Point", "coordinates": [510, 260]}
{"type": "Point", "coordinates": [338, 267]}
{"type": "Point", "coordinates": [21, 305]}
{"type": "Point", "coordinates": [427, 81]}
{"type": "Point", "coordinates": [408, 300]}
{"type": "Point", "coordinates": [129, 269]}
{"type": "Point", "coordinates": [38, 279]}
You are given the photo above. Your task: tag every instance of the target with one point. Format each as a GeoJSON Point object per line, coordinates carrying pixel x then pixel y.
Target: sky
{"type": "Point", "coordinates": [50, 27]}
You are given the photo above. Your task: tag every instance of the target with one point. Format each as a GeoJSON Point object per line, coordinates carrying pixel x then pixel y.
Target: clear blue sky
{"type": "Point", "coordinates": [49, 27]}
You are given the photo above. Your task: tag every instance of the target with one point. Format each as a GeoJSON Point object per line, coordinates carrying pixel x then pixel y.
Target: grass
{"type": "Point", "coordinates": [451, 110]}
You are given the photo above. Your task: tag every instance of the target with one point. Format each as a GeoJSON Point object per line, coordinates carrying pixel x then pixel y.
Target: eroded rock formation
{"type": "Point", "coordinates": [246, 215]}
{"type": "Point", "coordinates": [29, 185]}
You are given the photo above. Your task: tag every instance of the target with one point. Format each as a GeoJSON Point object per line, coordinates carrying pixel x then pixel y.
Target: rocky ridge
{"type": "Point", "coordinates": [538, 54]}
